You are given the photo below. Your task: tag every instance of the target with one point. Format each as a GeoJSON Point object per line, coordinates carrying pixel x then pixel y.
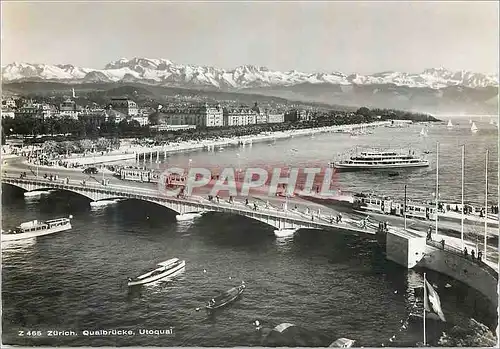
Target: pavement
{"type": "Point", "coordinates": [297, 207]}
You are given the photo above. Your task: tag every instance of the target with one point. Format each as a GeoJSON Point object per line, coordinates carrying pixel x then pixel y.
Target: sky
{"type": "Point", "coordinates": [362, 37]}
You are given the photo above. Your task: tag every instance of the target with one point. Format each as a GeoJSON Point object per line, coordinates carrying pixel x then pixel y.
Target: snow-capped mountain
{"type": "Point", "coordinates": [167, 73]}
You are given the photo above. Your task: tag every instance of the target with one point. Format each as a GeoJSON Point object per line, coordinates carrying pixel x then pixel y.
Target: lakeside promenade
{"type": "Point", "coordinates": [130, 151]}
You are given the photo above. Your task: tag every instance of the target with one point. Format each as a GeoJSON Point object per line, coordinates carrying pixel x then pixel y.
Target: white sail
{"type": "Point", "coordinates": [491, 121]}
{"type": "Point", "coordinates": [474, 127]}
{"type": "Point", "coordinates": [470, 121]}
{"type": "Point", "coordinates": [449, 124]}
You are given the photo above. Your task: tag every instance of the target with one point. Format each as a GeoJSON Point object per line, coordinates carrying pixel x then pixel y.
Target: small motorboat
{"type": "Point", "coordinates": [225, 298]}
{"type": "Point", "coordinates": [342, 343]}
{"type": "Point", "coordinates": [188, 216]}
{"type": "Point", "coordinates": [165, 269]}
{"type": "Point", "coordinates": [282, 233]}
{"type": "Point", "coordinates": [393, 174]}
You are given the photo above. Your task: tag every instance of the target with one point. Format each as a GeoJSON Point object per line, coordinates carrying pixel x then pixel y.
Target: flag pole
{"type": "Point", "coordinates": [486, 207]}
{"type": "Point", "coordinates": [463, 208]}
{"type": "Point", "coordinates": [425, 302]}
{"type": "Point", "coordinates": [437, 184]}
{"type": "Point", "coordinates": [405, 207]}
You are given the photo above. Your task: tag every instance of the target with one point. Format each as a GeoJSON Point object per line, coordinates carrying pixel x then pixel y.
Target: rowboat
{"type": "Point", "coordinates": [225, 298]}
{"type": "Point", "coordinates": [165, 269]}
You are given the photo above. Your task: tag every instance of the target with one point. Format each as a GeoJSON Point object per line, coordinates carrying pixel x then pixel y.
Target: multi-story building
{"type": "Point", "coordinates": [125, 106]}
{"type": "Point", "coordinates": [142, 120]}
{"type": "Point", "coordinates": [204, 116]}
{"type": "Point", "coordinates": [274, 117]}
{"type": "Point", "coordinates": [69, 109]}
{"type": "Point", "coordinates": [29, 110]}
{"type": "Point", "coordinates": [115, 116]}
{"type": "Point", "coordinates": [239, 116]}
{"type": "Point", "coordinates": [9, 103]}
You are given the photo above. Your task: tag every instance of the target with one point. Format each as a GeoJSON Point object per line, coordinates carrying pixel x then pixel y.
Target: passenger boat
{"type": "Point", "coordinates": [225, 298]}
{"type": "Point", "coordinates": [378, 160]}
{"type": "Point", "coordinates": [36, 228]}
{"type": "Point", "coordinates": [165, 269]}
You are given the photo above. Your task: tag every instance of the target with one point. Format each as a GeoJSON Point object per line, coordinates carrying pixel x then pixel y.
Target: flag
{"type": "Point", "coordinates": [432, 304]}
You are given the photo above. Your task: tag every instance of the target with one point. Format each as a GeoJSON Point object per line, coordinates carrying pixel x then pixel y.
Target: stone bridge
{"type": "Point", "coordinates": [277, 218]}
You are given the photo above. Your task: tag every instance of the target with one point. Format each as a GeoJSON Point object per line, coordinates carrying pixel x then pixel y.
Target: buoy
{"type": "Point", "coordinates": [396, 291]}
{"type": "Point", "coordinates": [204, 270]}
{"type": "Point", "coordinates": [197, 309]}
{"type": "Point", "coordinates": [257, 323]}
{"type": "Point", "coordinates": [229, 278]}
{"type": "Point", "coordinates": [147, 217]}
{"type": "Point", "coordinates": [70, 216]}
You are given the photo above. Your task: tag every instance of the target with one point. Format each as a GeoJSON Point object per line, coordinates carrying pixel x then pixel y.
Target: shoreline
{"type": "Point", "coordinates": [135, 152]}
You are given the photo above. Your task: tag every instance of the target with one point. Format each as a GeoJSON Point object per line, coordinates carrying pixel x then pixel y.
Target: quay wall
{"type": "Point", "coordinates": [462, 269]}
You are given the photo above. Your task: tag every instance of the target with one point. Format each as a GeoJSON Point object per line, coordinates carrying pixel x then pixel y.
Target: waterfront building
{"type": "Point", "coordinates": [239, 116]}
{"type": "Point", "coordinates": [274, 117]}
{"type": "Point", "coordinates": [203, 116]}
{"type": "Point", "coordinates": [9, 103]}
{"type": "Point", "coordinates": [124, 106]}
{"type": "Point", "coordinates": [29, 110]}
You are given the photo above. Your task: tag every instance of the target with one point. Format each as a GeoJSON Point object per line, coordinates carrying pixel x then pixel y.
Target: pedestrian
{"type": "Point", "coordinates": [442, 244]}
{"type": "Point", "coordinates": [429, 232]}
{"type": "Point", "coordinates": [479, 256]}
{"type": "Point", "coordinates": [246, 201]}
{"type": "Point", "coordinates": [340, 217]}
{"type": "Point", "coordinates": [254, 206]}
{"type": "Point", "coordinates": [472, 254]}
{"type": "Point", "coordinates": [465, 252]}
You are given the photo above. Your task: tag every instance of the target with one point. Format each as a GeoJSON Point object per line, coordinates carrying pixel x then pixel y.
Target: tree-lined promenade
{"type": "Point", "coordinates": [41, 131]}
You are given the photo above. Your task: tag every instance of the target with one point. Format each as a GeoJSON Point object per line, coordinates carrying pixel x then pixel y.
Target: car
{"type": "Point", "coordinates": [90, 170]}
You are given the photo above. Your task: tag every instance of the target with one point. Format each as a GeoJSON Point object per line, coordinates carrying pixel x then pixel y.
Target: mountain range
{"type": "Point", "coordinates": [433, 88]}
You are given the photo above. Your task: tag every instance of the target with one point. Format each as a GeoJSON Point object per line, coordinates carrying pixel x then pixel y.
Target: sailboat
{"type": "Point", "coordinates": [470, 121]}
{"type": "Point", "coordinates": [474, 128]}
{"type": "Point", "coordinates": [491, 121]}
{"type": "Point", "coordinates": [450, 125]}
{"type": "Point", "coordinates": [423, 132]}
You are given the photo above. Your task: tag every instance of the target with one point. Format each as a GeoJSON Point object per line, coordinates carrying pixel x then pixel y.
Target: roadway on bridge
{"type": "Point", "coordinates": [298, 208]}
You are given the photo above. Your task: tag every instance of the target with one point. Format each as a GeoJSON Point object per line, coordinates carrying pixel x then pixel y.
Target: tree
{"type": "Point", "coordinates": [364, 111]}
{"type": "Point", "coordinates": [50, 147]}
{"type": "Point", "coordinates": [86, 145]}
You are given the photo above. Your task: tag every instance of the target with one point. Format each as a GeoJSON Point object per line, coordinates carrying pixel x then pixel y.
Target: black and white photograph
{"type": "Point", "coordinates": [250, 174]}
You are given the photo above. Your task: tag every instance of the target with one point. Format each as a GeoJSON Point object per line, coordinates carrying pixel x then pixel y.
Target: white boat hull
{"type": "Point", "coordinates": [283, 233]}
{"type": "Point", "coordinates": [30, 235]}
{"type": "Point", "coordinates": [187, 216]}
{"type": "Point", "coordinates": [168, 273]}
{"type": "Point", "coordinates": [353, 167]}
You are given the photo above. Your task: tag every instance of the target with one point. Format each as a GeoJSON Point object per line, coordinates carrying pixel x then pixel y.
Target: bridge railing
{"type": "Point", "coordinates": [154, 195]}
{"type": "Point", "coordinates": [459, 252]}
